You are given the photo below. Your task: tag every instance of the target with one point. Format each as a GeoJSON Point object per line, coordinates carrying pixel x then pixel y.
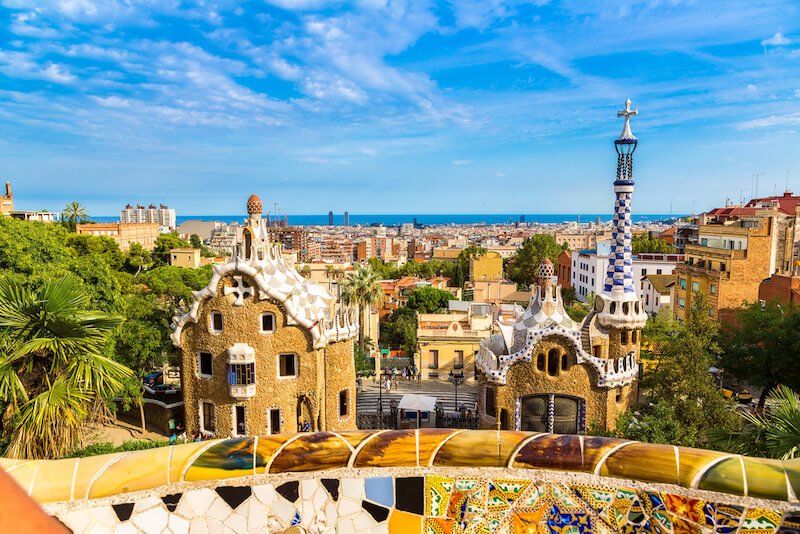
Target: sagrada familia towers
{"type": "Point", "coordinates": [548, 373]}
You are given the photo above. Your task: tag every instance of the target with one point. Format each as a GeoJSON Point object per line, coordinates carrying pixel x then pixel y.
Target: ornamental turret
{"type": "Point", "coordinates": [618, 306]}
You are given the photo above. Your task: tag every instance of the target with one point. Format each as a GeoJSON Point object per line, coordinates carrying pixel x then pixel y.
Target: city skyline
{"type": "Point", "coordinates": [411, 106]}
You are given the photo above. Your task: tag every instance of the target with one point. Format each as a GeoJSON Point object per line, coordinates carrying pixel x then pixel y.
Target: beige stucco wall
{"type": "Point", "coordinates": [242, 325]}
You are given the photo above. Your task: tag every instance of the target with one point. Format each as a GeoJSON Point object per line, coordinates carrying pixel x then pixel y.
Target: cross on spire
{"type": "Point", "coordinates": [626, 128]}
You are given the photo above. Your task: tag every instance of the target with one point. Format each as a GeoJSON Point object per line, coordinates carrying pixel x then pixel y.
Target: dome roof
{"type": "Point", "coordinates": [254, 205]}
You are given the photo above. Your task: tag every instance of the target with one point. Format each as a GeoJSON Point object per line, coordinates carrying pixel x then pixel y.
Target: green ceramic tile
{"type": "Point", "coordinates": [765, 479]}
{"type": "Point", "coordinates": [595, 448]}
{"type": "Point", "coordinates": [646, 462]}
{"type": "Point", "coordinates": [725, 476]}
{"type": "Point", "coordinates": [792, 468]}
{"type": "Point", "coordinates": [227, 459]}
{"type": "Point", "coordinates": [694, 461]}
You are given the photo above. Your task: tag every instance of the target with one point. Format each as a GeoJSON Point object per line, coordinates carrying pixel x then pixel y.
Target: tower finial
{"type": "Point", "coordinates": [627, 134]}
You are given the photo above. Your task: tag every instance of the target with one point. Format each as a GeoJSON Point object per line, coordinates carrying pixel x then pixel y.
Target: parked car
{"type": "Point", "coordinates": [737, 392]}
{"type": "Point", "coordinates": [156, 377]}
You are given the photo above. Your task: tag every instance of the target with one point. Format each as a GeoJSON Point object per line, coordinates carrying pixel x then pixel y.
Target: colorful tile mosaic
{"type": "Point", "coordinates": [534, 500]}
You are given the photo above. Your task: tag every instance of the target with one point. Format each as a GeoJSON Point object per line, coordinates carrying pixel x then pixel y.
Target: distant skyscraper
{"type": "Point", "coordinates": [162, 215]}
{"type": "Point", "coordinates": [522, 218]}
{"type": "Point", "coordinates": [330, 218]}
{"type": "Point", "coordinates": [347, 218]}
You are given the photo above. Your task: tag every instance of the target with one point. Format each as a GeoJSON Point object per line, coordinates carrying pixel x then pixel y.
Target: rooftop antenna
{"type": "Point", "coordinates": [741, 196]}
{"type": "Point", "coordinates": [758, 175]}
{"type": "Point", "coordinates": [786, 190]}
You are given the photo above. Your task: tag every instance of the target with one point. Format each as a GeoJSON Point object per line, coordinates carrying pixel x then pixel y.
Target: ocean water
{"type": "Point", "coordinates": [394, 219]}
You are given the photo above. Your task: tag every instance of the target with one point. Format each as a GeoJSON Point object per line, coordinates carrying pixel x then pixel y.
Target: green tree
{"type": "Point", "coordinates": [428, 299]}
{"type": "Point", "coordinates": [680, 385]}
{"type": "Point", "coordinates": [53, 375]}
{"type": "Point", "coordinates": [138, 259]}
{"type": "Point", "coordinates": [165, 243]}
{"type": "Point", "coordinates": [523, 267]}
{"type": "Point", "coordinates": [364, 362]}
{"type": "Point", "coordinates": [362, 288]}
{"type": "Point", "coordinates": [175, 284]}
{"type": "Point", "coordinates": [761, 345]}
{"type": "Point", "coordinates": [774, 433]}
{"type": "Point", "coordinates": [73, 214]}
{"type": "Point", "coordinates": [645, 243]}
{"type": "Point", "coordinates": [399, 330]}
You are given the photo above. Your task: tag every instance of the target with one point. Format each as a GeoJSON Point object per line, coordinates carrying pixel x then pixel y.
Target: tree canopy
{"type": "Point", "coordinates": [428, 299]}
{"type": "Point", "coordinates": [645, 243]}
{"type": "Point", "coordinates": [523, 267]}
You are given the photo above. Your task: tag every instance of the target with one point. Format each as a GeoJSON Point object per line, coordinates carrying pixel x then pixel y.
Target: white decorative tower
{"type": "Point", "coordinates": [619, 306]}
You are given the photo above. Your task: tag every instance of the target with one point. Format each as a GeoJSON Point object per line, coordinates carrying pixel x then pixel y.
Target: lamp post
{"type": "Point", "coordinates": [457, 379]}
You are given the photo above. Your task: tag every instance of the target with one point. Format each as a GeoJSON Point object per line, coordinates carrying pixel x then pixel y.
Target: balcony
{"type": "Point", "coordinates": [242, 391]}
{"type": "Point", "coordinates": [241, 371]}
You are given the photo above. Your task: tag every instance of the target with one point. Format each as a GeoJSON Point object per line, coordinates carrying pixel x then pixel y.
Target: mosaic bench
{"type": "Point", "coordinates": [430, 480]}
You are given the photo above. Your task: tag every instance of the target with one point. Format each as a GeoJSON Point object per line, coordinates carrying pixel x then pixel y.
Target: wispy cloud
{"type": "Point", "coordinates": [776, 40]}
{"type": "Point", "coordinates": [460, 162]}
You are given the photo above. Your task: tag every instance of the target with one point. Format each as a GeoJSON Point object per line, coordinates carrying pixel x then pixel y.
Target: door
{"type": "Point", "coordinates": [558, 414]}
{"type": "Point", "coordinates": [241, 423]}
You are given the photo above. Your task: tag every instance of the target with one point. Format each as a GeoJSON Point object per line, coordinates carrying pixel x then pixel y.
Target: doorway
{"type": "Point", "coordinates": [558, 414]}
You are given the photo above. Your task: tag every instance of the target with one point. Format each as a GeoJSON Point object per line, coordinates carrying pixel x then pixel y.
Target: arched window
{"type": "Point", "coordinates": [634, 336]}
{"type": "Point", "coordinates": [623, 337]}
{"type": "Point", "coordinates": [564, 361]}
{"type": "Point", "coordinates": [552, 362]}
{"type": "Point", "coordinates": [491, 402]}
{"type": "Point", "coordinates": [248, 241]}
{"type": "Point", "coordinates": [540, 362]}
{"type": "Point", "coordinates": [215, 322]}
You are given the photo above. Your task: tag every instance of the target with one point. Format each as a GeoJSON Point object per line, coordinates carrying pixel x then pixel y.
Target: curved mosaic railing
{"type": "Point", "coordinates": [515, 464]}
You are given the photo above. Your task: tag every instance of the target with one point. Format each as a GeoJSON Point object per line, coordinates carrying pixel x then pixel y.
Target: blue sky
{"type": "Point", "coordinates": [403, 106]}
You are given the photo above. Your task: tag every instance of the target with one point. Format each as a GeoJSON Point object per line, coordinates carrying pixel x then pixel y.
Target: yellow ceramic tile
{"type": "Point", "coordinates": [404, 522]}
{"type": "Point", "coordinates": [230, 458]}
{"type": "Point", "coordinates": [138, 470]}
{"type": "Point", "coordinates": [88, 468]}
{"type": "Point", "coordinates": [8, 463]}
{"type": "Point", "coordinates": [479, 448]}
{"type": "Point", "coordinates": [312, 452]}
{"type": "Point", "coordinates": [266, 448]}
{"type": "Point", "coordinates": [54, 480]}
{"type": "Point", "coordinates": [181, 454]}
{"type": "Point", "coordinates": [429, 441]}
{"type": "Point", "coordinates": [647, 462]}
{"type": "Point", "coordinates": [595, 448]}
{"type": "Point", "coordinates": [792, 468]}
{"type": "Point", "coordinates": [354, 438]}
{"type": "Point", "coordinates": [692, 462]}
{"type": "Point", "coordinates": [395, 448]}
{"type": "Point", "coordinates": [765, 479]}
{"type": "Point", "coordinates": [25, 474]}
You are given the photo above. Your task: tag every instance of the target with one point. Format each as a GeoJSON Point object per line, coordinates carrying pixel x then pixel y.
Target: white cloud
{"type": "Point", "coordinates": [459, 162]}
{"type": "Point", "coordinates": [776, 40]}
{"type": "Point", "coordinates": [772, 121]}
{"type": "Point", "coordinates": [500, 174]}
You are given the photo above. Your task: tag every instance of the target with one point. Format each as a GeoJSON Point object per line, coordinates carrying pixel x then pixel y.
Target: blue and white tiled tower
{"type": "Point", "coordinates": [619, 306]}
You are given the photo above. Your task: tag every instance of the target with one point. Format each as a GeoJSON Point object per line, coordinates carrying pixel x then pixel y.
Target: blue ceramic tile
{"type": "Point", "coordinates": [379, 490]}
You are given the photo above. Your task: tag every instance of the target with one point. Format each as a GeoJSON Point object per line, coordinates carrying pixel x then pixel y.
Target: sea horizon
{"type": "Point", "coordinates": [429, 219]}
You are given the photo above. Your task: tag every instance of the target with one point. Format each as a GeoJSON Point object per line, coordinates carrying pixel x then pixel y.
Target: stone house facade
{"type": "Point", "coordinates": [263, 350]}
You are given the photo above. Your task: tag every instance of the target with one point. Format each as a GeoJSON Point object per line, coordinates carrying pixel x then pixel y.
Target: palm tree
{"type": "Point", "coordinates": [362, 288]}
{"type": "Point", "coordinates": [774, 433]}
{"type": "Point", "coordinates": [74, 214]}
{"type": "Point", "coordinates": [53, 376]}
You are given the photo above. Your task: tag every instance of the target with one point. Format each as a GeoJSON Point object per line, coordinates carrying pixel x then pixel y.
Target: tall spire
{"type": "Point", "coordinates": [618, 305]}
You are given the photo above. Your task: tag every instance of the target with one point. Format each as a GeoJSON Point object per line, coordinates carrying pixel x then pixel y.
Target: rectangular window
{"type": "Point", "coordinates": [241, 374]}
{"type": "Point", "coordinates": [713, 289]}
{"type": "Point", "coordinates": [459, 360]}
{"type": "Point", "coordinates": [241, 422]}
{"type": "Point", "coordinates": [344, 403]}
{"type": "Point", "coordinates": [216, 322]}
{"type": "Point", "coordinates": [658, 271]}
{"type": "Point", "coordinates": [287, 365]}
{"type": "Point", "coordinates": [209, 423]}
{"type": "Point", "coordinates": [682, 282]}
{"type": "Point", "coordinates": [695, 286]}
{"type": "Point", "coordinates": [682, 303]}
{"type": "Point", "coordinates": [204, 365]}
{"type": "Point", "coordinates": [722, 267]}
{"type": "Point", "coordinates": [267, 323]}
{"type": "Point", "coordinates": [644, 272]}
{"type": "Point", "coordinates": [274, 421]}
{"type": "Point", "coordinates": [434, 359]}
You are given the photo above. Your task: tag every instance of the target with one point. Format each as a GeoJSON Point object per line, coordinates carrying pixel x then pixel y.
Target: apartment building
{"type": "Point", "coordinates": [162, 215]}
{"type": "Point", "coordinates": [124, 234]}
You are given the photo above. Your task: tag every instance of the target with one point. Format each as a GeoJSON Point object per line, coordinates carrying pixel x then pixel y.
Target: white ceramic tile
{"type": "Point", "coordinates": [348, 507]}
{"type": "Point", "coordinates": [307, 488]}
{"type": "Point", "coordinates": [345, 526]}
{"type": "Point", "coordinates": [364, 521]}
{"type": "Point", "coordinates": [151, 521]}
{"type": "Point", "coordinates": [237, 523]}
{"type": "Point", "coordinates": [199, 501]}
{"type": "Point", "coordinates": [320, 498]}
{"type": "Point", "coordinates": [283, 510]}
{"type": "Point", "coordinates": [382, 528]}
{"type": "Point", "coordinates": [198, 525]}
{"type": "Point", "coordinates": [78, 521]}
{"type": "Point", "coordinates": [147, 503]}
{"type": "Point", "coordinates": [265, 493]}
{"type": "Point", "coordinates": [214, 526]}
{"type": "Point", "coordinates": [331, 514]}
{"type": "Point", "coordinates": [125, 528]}
{"type": "Point", "coordinates": [97, 528]}
{"type": "Point", "coordinates": [104, 515]}
{"type": "Point", "coordinates": [178, 525]}
{"type": "Point", "coordinates": [218, 510]}
{"type": "Point", "coordinates": [353, 488]}
{"type": "Point", "coordinates": [256, 515]}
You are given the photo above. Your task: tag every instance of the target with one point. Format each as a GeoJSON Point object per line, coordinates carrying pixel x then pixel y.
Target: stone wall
{"type": "Point", "coordinates": [417, 481]}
